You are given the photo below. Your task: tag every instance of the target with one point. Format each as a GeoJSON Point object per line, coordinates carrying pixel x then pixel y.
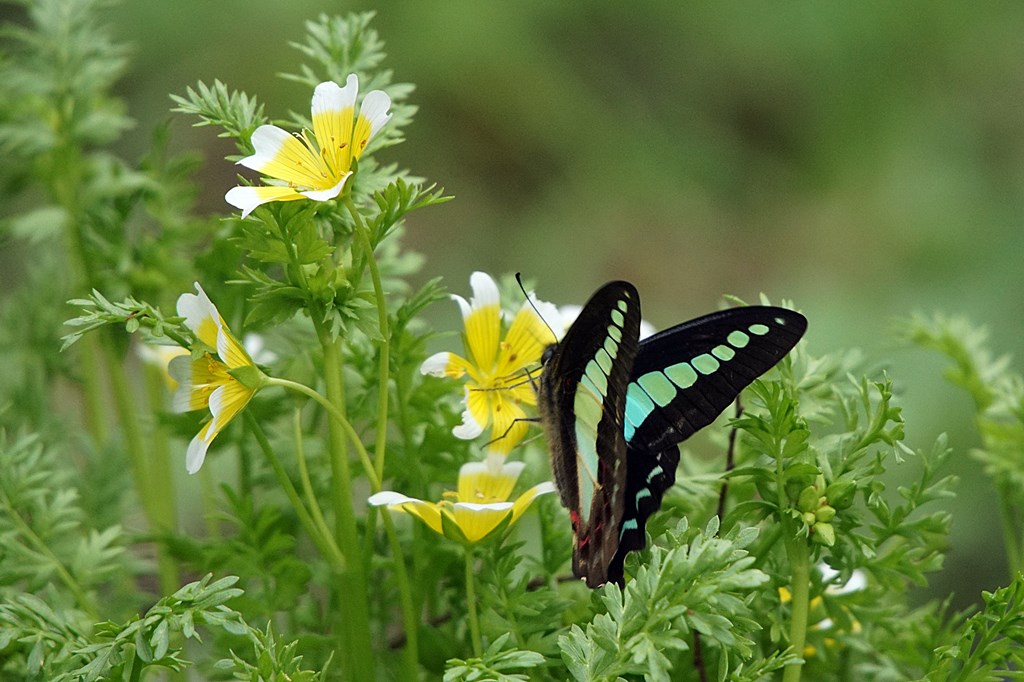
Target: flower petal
{"type": "Point", "coordinates": [281, 155]}
{"type": "Point", "coordinates": [480, 484]}
{"type": "Point", "coordinates": [226, 401]}
{"type": "Point", "coordinates": [478, 411]}
{"type": "Point", "coordinates": [508, 427]}
{"type": "Point", "coordinates": [425, 511]}
{"type": "Point", "coordinates": [483, 323]}
{"type": "Point", "coordinates": [195, 382]}
{"type": "Point", "coordinates": [477, 521]}
{"type": "Point", "coordinates": [231, 352]}
{"type": "Point", "coordinates": [333, 113]}
{"type": "Point", "coordinates": [524, 501]}
{"type": "Point", "coordinates": [249, 198]}
{"type": "Point", "coordinates": [373, 114]}
{"type": "Point", "coordinates": [444, 364]}
{"type": "Point", "coordinates": [201, 316]}
{"type": "Point", "coordinates": [469, 429]}
{"type": "Point", "coordinates": [330, 192]}
{"type": "Point", "coordinates": [525, 342]}
{"type": "Point", "coordinates": [196, 454]}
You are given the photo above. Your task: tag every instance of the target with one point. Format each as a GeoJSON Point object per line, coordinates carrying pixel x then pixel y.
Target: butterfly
{"type": "Point", "coordinates": [615, 408]}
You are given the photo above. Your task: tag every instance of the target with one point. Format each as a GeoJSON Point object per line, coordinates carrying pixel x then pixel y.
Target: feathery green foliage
{"type": "Point", "coordinates": [813, 571]}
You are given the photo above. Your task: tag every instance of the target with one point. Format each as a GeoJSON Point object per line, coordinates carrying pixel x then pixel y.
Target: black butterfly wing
{"type": "Point", "coordinates": [581, 399]}
{"type": "Point", "coordinates": [681, 380]}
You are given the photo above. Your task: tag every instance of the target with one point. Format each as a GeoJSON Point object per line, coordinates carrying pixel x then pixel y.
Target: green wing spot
{"type": "Point", "coordinates": [645, 492]}
{"type": "Point", "coordinates": [587, 406]}
{"type": "Point", "coordinates": [738, 339]}
{"type": "Point", "coordinates": [586, 469]}
{"type": "Point", "coordinates": [598, 382]}
{"type": "Point", "coordinates": [723, 353]}
{"type": "Point", "coordinates": [628, 524]}
{"type": "Point", "coordinates": [656, 471]}
{"type": "Point", "coordinates": [758, 329]}
{"type": "Point", "coordinates": [681, 374]}
{"type": "Point", "coordinates": [623, 306]}
{"type": "Point", "coordinates": [705, 364]}
{"type": "Point", "coordinates": [614, 333]}
{"type": "Point", "coordinates": [638, 405]}
{"type": "Point", "coordinates": [618, 318]}
{"type": "Point", "coordinates": [611, 347]}
{"type": "Point", "coordinates": [604, 360]}
{"type": "Point", "coordinates": [658, 387]}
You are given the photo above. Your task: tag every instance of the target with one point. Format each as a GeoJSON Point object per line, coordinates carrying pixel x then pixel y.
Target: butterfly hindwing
{"type": "Point", "coordinates": [582, 398]}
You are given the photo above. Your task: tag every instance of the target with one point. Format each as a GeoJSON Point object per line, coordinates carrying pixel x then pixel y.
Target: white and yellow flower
{"type": "Point", "coordinates": [224, 382]}
{"type": "Point", "coordinates": [478, 509]}
{"type": "Point", "coordinates": [300, 168]}
{"type": "Point", "coordinates": [497, 385]}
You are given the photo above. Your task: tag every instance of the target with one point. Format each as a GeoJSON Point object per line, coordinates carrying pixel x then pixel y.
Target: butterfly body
{"type": "Point", "coordinates": [615, 409]}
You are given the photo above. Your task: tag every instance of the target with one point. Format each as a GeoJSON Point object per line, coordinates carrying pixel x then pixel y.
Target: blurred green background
{"type": "Point", "coordinates": [862, 159]}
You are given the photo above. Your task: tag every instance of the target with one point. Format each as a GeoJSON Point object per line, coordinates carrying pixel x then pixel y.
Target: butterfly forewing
{"type": "Point", "coordinates": [681, 380]}
{"type": "Point", "coordinates": [582, 400]}
{"type": "Point", "coordinates": [684, 377]}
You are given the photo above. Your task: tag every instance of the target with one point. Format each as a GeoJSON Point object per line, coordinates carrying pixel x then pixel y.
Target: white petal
{"type": "Point", "coordinates": [327, 194]}
{"type": "Point", "coordinates": [485, 291]}
{"type": "Point", "coordinates": [567, 315]}
{"type": "Point", "coordinates": [388, 497]}
{"type": "Point", "coordinates": [375, 110]}
{"type": "Point", "coordinates": [492, 506]}
{"type": "Point", "coordinates": [331, 97]}
{"type": "Point", "coordinates": [180, 369]}
{"type": "Point", "coordinates": [463, 305]}
{"type": "Point", "coordinates": [549, 313]}
{"type": "Point", "coordinates": [646, 329]}
{"type": "Point", "coordinates": [246, 198]}
{"type": "Point", "coordinates": [436, 364]}
{"type": "Point", "coordinates": [469, 428]}
{"type": "Point", "coordinates": [196, 454]}
{"type": "Point", "coordinates": [196, 308]}
{"type": "Point", "coordinates": [267, 141]}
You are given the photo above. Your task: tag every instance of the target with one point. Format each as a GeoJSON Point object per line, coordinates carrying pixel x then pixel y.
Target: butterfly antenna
{"type": "Point", "coordinates": [519, 281]}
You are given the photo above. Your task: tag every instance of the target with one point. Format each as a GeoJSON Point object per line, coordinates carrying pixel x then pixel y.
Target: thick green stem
{"type": "Point", "coordinates": [474, 622]}
{"type": "Point", "coordinates": [798, 554]}
{"type": "Point", "coordinates": [1011, 530]}
{"type": "Point", "coordinates": [800, 569]}
{"type": "Point", "coordinates": [356, 617]}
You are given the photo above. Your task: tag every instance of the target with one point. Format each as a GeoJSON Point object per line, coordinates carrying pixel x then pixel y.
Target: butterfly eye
{"type": "Point", "coordinates": [548, 353]}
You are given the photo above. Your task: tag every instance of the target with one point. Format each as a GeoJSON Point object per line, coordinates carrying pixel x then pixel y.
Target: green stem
{"type": "Point", "coordinates": [356, 617]}
{"type": "Point", "coordinates": [384, 370]}
{"type": "Point", "coordinates": [307, 484]}
{"type": "Point", "coordinates": [474, 622]}
{"type": "Point", "coordinates": [798, 554]}
{"type": "Point", "coordinates": [324, 543]}
{"type": "Point", "coordinates": [1011, 540]}
{"type": "Point", "coordinates": [339, 419]}
{"type": "Point", "coordinates": [409, 620]}
{"type": "Point", "coordinates": [800, 569]}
